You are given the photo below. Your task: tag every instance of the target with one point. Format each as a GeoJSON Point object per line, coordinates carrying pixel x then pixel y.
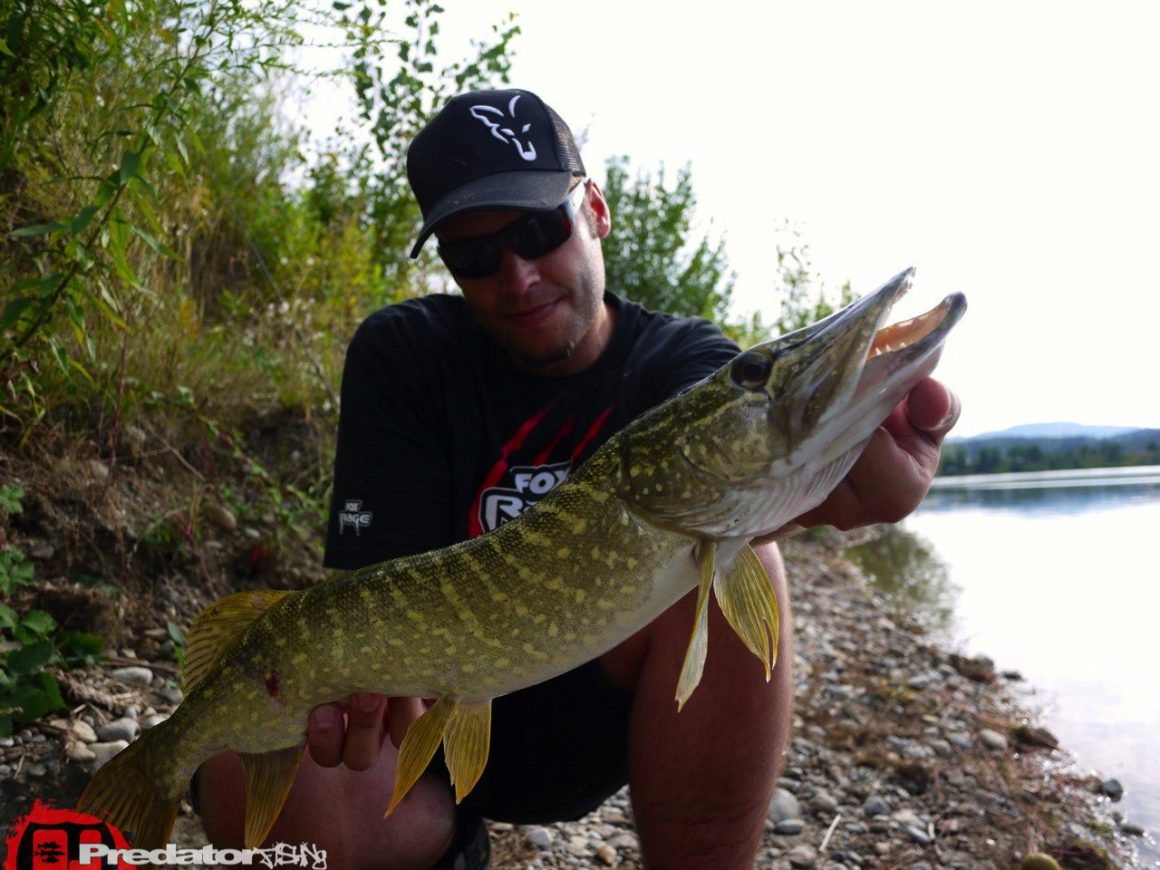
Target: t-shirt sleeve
{"type": "Point", "coordinates": [691, 351]}
{"type": "Point", "coordinates": [392, 480]}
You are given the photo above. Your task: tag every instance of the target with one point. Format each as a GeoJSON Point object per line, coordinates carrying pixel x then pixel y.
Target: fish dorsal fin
{"type": "Point", "coordinates": [464, 727]}
{"type": "Point", "coordinates": [217, 625]}
{"type": "Point", "coordinates": [747, 599]}
{"type": "Point", "coordinates": [694, 664]}
{"type": "Point", "coordinates": [268, 777]}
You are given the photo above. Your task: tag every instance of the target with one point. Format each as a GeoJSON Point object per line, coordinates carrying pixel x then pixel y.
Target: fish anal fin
{"type": "Point", "coordinates": [698, 649]}
{"type": "Point", "coordinates": [418, 748]}
{"type": "Point", "coordinates": [217, 625]}
{"type": "Point", "coordinates": [748, 601]}
{"type": "Point", "coordinates": [467, 742]}
{"type": "Point", "coordinates": [268, 777]}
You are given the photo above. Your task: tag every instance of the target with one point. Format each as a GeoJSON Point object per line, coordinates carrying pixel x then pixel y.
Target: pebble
{"type": "Point", "coordinates": [993, 740]}
{"type": "Point", "coordinates": [83, 731]}
{"type": "Point", "coordinates": [75, 750]}
{"type": "Point", "coordinates": [105, 751]}
{"type": "Point", "coordinates": [153, 720]}
{"type": "Point", "coordinates": [606, 854]}
{"type": "Point", "coordinates": [578, 845]}
{"type": "Point", "coordinates": [626, 840]}
{"type": "Point", "coordinates": [1112, 789]}
{"type": "Point", "coordinates": [6, 742]}
{"type": "Point", "coordinates": [36, 770]}
{"type": "Point", "coordinates": [539, 837]}
{"type": "Point", "coordinates": [824, 803]}
{"type": "Point", "coordinates": [919, 835]}
{"type": "Point", "coordinates": [1132, 829]}
{"type": "Point", "coordinates": [875, 805]}
{"type": "Point", "coordinates": [803, 855]}
{"type": "Point", "coordinates": [172, 694]}
{"type": "Point", "coordinates": [789, 827]}
{"type": "Point", "coordinates": [784, 806]}
{"type": "Point", "coordinates": [5, 771]}
{"type": "Point", "coordinates": [124, 729]}
{"type": "Point", "coordinates": [133, 676]}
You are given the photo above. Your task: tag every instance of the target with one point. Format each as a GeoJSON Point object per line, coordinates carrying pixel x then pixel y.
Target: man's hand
{"type": "Point", "coordinates": [893, 474]}
{"type": "Point", "coordinates": [351, 733]}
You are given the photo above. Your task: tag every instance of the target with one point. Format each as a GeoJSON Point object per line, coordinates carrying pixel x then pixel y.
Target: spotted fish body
{"type": "Point", "coordinates": [664, 506]}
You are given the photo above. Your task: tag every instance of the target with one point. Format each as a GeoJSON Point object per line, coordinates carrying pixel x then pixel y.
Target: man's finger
{"type": "Point", "coordinates": [364, 730]}
{"type": "Point", "coordinates": [401, 712]}
{"type": "Point", "coordinates": [324, 732]}
{"type": "Point", "coordinates": [932, 409]}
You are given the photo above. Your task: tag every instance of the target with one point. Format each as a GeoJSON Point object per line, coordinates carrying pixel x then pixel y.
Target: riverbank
{"type": "Point", "coordinates": [901, 756]}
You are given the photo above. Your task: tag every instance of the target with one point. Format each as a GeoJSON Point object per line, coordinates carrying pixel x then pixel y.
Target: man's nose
{"type": "Point", "coordinates": [516, 274]}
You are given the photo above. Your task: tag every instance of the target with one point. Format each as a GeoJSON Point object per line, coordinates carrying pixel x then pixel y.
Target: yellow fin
{"type": "Point", "coordinates": [748, 602]}
{"type": "Point", "coordinates": [418, 747]}
{"type": "Point", "coordinates": [219, 624]}
{"type": "Point", "coordinates": [126, 793]}
{"type": "Point", "coordinates": [694, 664]}
{"type": "Point", "coordinates": [467, 742]}
{"type": "Point", "coordinates": [268, 777]}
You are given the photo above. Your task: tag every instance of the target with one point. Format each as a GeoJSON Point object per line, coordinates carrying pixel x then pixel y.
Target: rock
{"type": "Point", "coordinates": [875, 805]}
{"type": "Point", "coordinates": [124, 729]}
{"type": "Point", "coordinates": [1036, 738]}
{"type": "Point", "coordinates": [35, 770]}
{"type": "Point", "coordinates": [220, 516]}
{"type": "Point", "coordinates": [824, 803]}
{"type": "Point", "coordinates": [784, 806]}
{"type": "Point", "coordinates": [919, 835]}
{"type": "Point", "coordinates": [993, 740]}
{"type": "Point", "coordinates": [803, 855]}
{"type": "Point", "coordinates": [77, 751]}
{"type": "Point", "coordinates": [626, 840]}
{"type": "Point", "coordinates": [578, 845]}
{"type": "Point", "coordinates": [153, 720]}
{"type": "Point", "coordinates": [172, 694]}
{"type": "Point", "coordinates": [83, 731]}
{"type": "Point", "coordinates": [1111, 788]}
{"type": "Point", "coordinates": [789, 827]}
{"type": "Point", "coordinates": [979, 669]}
{"type": "Point", "coordinates": [6, 742]}
{"type": "Point", "coordinates": [606, 854]}
{"type": "Point", "coordinates": [539, 837]}
{"type": "Point", "coordinates": [104, 751]}
{"type": "Point", "coordinates": [133, 676]}
{"type": "Point", "coordinates": [1132, 829]}
{"type": "Point", "coordinates": [1038, 861]}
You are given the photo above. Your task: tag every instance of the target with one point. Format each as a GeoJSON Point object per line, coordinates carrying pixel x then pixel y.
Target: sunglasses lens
{"type": "Point", "coordinates": [529, 238]}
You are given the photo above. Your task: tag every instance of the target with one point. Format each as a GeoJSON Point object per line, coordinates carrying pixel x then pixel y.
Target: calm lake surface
{"type": "Point", "coordinates": [1055, 575]}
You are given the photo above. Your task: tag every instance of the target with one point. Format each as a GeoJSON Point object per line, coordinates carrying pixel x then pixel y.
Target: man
{"type": "Point", "coordinates": [457, 414]}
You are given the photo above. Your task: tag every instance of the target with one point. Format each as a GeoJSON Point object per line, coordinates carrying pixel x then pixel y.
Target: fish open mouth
{"type": "Point", "coordinates": [899, 336]}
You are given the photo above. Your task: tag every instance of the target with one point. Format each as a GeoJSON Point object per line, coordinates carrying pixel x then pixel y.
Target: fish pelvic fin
{"type": "Point", "coordinates": [216, 627]}
{"type": "Point", "coordinates": [698, 649]}
{"type": "Point", "coordinates": [126, 794]}
{"type": "Point", "coordinates": [464, 727]}
{"type": "Point", "coordinates": [746, 596]}
{"type": "Point", "coordinates": [268, 777]}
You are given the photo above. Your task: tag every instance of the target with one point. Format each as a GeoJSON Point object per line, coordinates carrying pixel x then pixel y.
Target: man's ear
{"type": "Point", "coordinates": [603, 222]}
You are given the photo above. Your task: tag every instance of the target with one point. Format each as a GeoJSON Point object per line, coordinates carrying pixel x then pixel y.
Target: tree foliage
{"type": "Point", "coordinates": [649, 256]}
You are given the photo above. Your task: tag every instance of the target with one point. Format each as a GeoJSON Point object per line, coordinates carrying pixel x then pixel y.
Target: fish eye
{"type": "Point", "coordinates": [751, 369]}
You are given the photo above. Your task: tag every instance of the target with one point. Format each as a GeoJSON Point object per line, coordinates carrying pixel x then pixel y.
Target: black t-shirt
{"type": "Point", "coordinates": [441, 439]}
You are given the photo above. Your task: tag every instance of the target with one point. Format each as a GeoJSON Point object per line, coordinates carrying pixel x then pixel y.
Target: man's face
{"type": "Point", "coordinates": [547, 313]}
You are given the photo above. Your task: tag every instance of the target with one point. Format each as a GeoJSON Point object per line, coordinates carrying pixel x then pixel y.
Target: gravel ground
{"type": "Point", "coordinates": [902, 755]}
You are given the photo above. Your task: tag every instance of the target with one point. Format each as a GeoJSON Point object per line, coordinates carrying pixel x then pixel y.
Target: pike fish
{"type": "Point", "coordinates": [668, 504]}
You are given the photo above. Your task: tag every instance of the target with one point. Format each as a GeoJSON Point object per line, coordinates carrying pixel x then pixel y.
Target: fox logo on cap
{"type": "Point", "coordinates": [492, 118]}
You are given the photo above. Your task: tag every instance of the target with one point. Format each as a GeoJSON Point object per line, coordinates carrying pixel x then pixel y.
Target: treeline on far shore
{"type": "Point", "coordinates": [992, 455]}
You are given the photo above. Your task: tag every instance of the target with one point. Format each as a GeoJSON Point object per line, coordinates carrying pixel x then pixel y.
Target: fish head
{"type": "Point", "coordinates": [770, 434]}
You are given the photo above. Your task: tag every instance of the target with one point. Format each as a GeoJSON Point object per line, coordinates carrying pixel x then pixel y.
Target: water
{"type": "Point", "coordinates": [1055, 574]}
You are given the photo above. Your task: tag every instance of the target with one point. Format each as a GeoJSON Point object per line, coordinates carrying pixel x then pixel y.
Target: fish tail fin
{"type": "Point", "coordinates": [125, 793]}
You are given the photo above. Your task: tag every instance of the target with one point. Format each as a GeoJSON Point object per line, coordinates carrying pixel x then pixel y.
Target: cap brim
{"type": "Point", "coordinates": [530, 191]}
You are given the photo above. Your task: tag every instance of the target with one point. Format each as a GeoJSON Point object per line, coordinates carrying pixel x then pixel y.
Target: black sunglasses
{"type": "Point", "coordinates": [529, 237]}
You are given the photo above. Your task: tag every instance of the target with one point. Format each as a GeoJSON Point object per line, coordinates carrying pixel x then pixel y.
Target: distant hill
{"type": "Point", "coordinates": [1059, 430]}
{"type": "Point", "coordinates": [1044, 446]}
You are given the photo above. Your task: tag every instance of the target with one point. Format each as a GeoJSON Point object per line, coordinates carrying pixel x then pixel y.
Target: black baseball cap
{"type": "Point", "coordinates": [491, 149]}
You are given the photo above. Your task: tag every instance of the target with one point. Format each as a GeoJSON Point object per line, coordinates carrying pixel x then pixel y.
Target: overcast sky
{"type": "Point", "coordinates": [1007, 149]}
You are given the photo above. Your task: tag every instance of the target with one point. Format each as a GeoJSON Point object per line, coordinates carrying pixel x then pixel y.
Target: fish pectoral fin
{"type": "Point", "coordinates": [698, 650]}
{"type": "Point", "coordinates": [418, 748]}
{"type": "Point", "coordinates": [466, 743]}
{"type": "Point", "coordinates": [746, 596]}
{"type": "Point", "coordinates": [268, 777]}
{"type": "Point", "coordinates": [217, 625]}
